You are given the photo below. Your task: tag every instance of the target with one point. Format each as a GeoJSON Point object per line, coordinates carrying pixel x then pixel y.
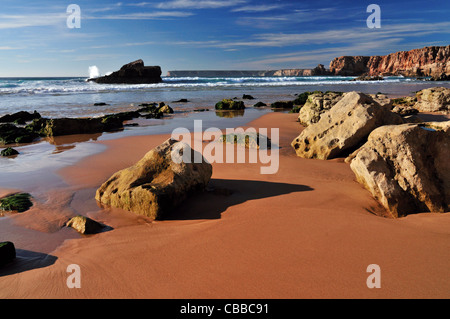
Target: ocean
{"type": "Point", "coordinates": [75, 97]}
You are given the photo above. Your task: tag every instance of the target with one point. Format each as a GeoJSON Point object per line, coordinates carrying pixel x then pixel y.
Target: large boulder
{"type": "Point", "coordinates": [132, 73]}
{"type": "Point", "coordinates": [316, 105]}
{"type": "Point", "coordinates": [157, 183]}
{"type": "Point", "coordinates": [434, 100]}
{"type": "Point", "coordinates": [344, 127]}
{"type": "Point", "coordinates": [406, 167]}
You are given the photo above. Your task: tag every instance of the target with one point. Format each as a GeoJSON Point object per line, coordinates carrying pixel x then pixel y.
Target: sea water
{"type": "Point", "coordinates": [75, 97]}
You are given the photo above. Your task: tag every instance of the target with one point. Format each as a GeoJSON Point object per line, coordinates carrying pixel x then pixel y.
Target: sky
{"type": "Point", "coordinates": [36, 39]}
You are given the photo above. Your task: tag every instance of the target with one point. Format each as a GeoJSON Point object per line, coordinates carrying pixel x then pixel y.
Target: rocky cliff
{"type": "Point", "coordinates": [132, 73]}
{"type": "Point", "coordinates": [429, 61]}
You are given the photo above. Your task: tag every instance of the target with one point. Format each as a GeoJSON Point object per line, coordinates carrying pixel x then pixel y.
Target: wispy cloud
{"type": "Point", "coordinates": [144, 15]}
{"type": "Point", "coordinates": [348, 35]}
{"type": "Point", "coordinates": [258, 8]}
{"type": "Point", "coordinates": [199, 4]}
{"type": "Point", "coordinates": [32, 20]}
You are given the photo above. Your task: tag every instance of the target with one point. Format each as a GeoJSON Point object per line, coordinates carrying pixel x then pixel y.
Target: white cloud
{"type": "Point", "coordinates": [199, 4]}
{"type": "Point", "coordinates": [257, 8]}
{"type": "Point", "coordinates": [144, 16]}
{"type": "Point", "coordinates": [32, 20]}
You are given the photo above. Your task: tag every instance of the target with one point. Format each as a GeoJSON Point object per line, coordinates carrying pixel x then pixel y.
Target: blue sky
{"type": "Point", "coordinates": [208, 34]}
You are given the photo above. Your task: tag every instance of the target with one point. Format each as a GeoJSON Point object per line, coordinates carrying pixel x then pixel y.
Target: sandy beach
{"type": "Point", "coordinates": [308, 231]}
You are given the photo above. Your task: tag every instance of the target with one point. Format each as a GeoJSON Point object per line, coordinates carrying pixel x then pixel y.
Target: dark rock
{"type": "Point", "coordinates": [100, 104]}
{"type": "Point", "coordinates": [181, 101]}
{"type": "Point", "coordinates": [20, 202]}
{"type": "Point", "coordinates": [282, 105]}
{"type": "Point", "coordinates": [10, 134]}
{"type": "Point", "coordinates": [7, 253]}
{"type": "Point", "coordinates": [20, 117]}
{"type": "Point", "coordinates": [260, 104]}
{"type": "Point", "coordinates": [441, 77]}
{"type": "Point", "coordinates": [247, 97]}
{"type": "Point", "coordinates": [8, 152]}
{"type": "Point", "coordinates": [132, 73]}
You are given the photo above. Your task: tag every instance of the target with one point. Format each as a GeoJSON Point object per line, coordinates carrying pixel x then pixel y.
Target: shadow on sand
{"type": "Point", "coordinates": [222, 194]}
{"type": "Point", "coordinates": [27, 260]}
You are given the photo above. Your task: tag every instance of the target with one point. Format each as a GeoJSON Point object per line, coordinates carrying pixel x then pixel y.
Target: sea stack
{"type": "Point", "coordinates": [132, 73]}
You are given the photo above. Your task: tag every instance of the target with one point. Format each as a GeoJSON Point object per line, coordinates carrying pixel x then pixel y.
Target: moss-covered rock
{"type": "Point", "coordinates": [8, 152]}
{"type": "Point", "coordinates": [9, 134]}
{"type": "Point", "coordinates": [165, 109]}
{"type": "Point", "coordinates": [227, 104]}
{"type": "Point", "coordinates": [20, 117]}
{"type": "Point", "coordinates": [7, 252]}
{"type": "Point", "coordinates": [20, 202]}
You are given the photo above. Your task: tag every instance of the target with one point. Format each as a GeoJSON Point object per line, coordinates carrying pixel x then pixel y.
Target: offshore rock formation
{"type": "Point", "coordinates": [429, 61]}
{"type": "Point", "coordinates": [132, 73]}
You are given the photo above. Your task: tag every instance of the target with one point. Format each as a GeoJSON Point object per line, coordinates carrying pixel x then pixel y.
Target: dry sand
{"type": "Point", "coordinates": [308, 231]}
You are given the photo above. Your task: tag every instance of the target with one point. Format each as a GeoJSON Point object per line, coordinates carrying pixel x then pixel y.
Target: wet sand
{"type": "Point", "coordinates": [308, 231]}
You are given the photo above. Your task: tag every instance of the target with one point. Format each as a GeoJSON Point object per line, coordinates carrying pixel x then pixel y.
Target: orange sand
{"type": "Point", "coordinates": [306, 232]}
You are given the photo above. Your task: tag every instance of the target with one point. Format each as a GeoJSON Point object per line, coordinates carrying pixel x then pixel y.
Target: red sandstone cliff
{"type": "Point", "coordinates": [429, 61]}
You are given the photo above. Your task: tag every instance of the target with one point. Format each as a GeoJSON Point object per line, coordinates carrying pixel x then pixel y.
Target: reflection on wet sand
{"type": "Point", "coordinates": [230, 114]}
{"type": "Point", "coordinates": [68, 142]}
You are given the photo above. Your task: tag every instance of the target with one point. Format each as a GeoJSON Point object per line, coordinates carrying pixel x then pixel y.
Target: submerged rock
{"type": "Point", "coordinates": [20, 202]}
{"type": "Point", "coordinates": [406, 167]}
{"type": "Point", "coordinates": [344, 127]}
{"type": "Point", "coordinates": [157, 184]}
{"type": "Point", "coordinates": [85, 225]}
{"type": "Point", "coordinates": [7, 253]}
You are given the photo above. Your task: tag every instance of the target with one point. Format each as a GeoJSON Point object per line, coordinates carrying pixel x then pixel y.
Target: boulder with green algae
{"type": "Point", "coordinates": [7, 252]}
{"type": "Point", "coordinates": [227, 104]}
{"type": "Point", "coordinates": [165, 109]}
{"type": "Point", "coordinates": [10, 134]}
{"type": "Point", "coordinates": [20, 202]}
{"type": "Point", "coordinates": [20, 117]}
{"type": "Point", "coordinates": [282, 105]}
{"type": "Point", "coordinates": [8, 152]}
